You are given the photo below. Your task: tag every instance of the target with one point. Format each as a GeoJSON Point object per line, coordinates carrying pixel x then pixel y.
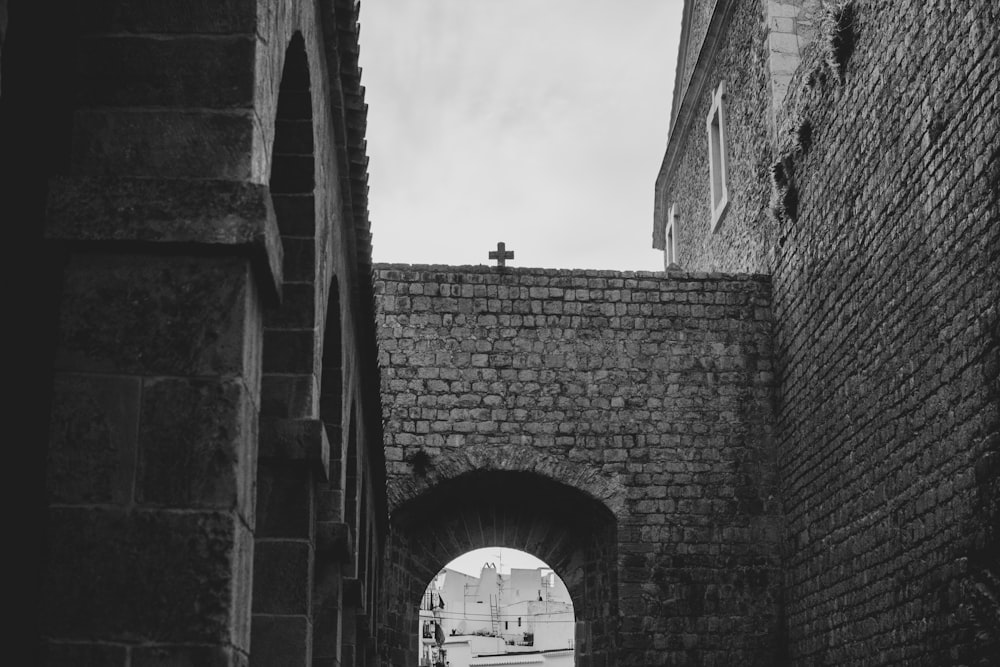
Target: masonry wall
{"type": "Point", "coordinates": [650, 395]}
{"type": "Point", "coordinates": [742, 238]}
{"type": "Point", "coordinates": [193, 237]}
{"type": "Point", "coordinates": [700, 18]}
{"type": "Point", "coordinates": [885, 297]}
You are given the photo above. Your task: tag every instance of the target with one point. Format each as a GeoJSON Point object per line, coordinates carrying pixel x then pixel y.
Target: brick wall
{"type": "Point", "coordinates": [885, 300]}
{"type": "Point", "coordinates": [886, 295]}
{"type": "Point", "coordinates": [648, 397]}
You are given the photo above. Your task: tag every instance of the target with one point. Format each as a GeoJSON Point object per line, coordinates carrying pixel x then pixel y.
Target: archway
{"type": "Point", "coordinates": [561, 525]}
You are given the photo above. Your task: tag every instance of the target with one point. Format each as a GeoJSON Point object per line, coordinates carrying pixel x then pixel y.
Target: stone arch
{"type": "Point", "coordinates": [293, 444]}
{"type": "Point", "coordinates": [331, 547]}
{"type": "Point", "coordinates": [453, 463]}
{"type": "Point", "coordinates": [289, 384]}
{"type": "Point", "coordinates": [570, 530]}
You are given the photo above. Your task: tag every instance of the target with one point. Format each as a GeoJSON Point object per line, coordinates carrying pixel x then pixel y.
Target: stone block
{"type": "Point", "coordinates": [326, 632]}
{"type": "Point", "coordinates": [330, 501]}
{"type": "Point", "coordinates": [295, 136]}
{"type": "Point", "coordinates": [289, 396]}
{"type": "Point", "coordinates": [282, 581]}
{"type": "Point", "coordinates": [174, 144]}
{"type": "Point", "coordinates": [60, 654]}
{"type": "Point", "coordinates": [141, 576]}
{"type": "Point", "coordinates": [334, 541]}
{"type": "Point", "coordinates": [296, 440]}
{"type": "Point", "coordinates": [298, 309]}
{"type": "Point", "coordinates": [183, 71]}
{"type": "Point", "coordinates": [296, 214]}
{"type": "Point", "coordinates": [219, 215]}
{"type": "Point", "coordinates": [284, 500]}
{"type": "Point", "coordinates": [197, 442]}
{"type": "Point", "coordinates": [187, 656]}
{"type": "Point", "coordinates": [92, 439]}
{"type": "Point", "coordinates": [183, 16]}
{"type": "Point", "coordinates": [292, 174]}
{"type": "Point", "coordinates": [300, 256]}
{"type": "Point", "coordinates": [281, 641]}
{"type": "Point", "coordinates": [291, 351]}
{"type": "Point", "coordinates": [150, 315]}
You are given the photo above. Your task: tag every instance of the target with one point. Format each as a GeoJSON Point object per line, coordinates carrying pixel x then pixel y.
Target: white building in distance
{"type": "Point", "coordinates": [525, 616]}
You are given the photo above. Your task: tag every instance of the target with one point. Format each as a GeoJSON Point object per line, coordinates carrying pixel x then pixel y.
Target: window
{"type": "Point", "coordinates": [717, 158]}
{"type": "Point", "coordinates": [670, 249]}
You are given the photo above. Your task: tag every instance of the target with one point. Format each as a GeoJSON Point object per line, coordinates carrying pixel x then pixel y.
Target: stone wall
{"type": "Point", "coordinates": [885, 295]}
{"type": "Point", "coordinates": [190, 183]}
{"type": "Point", "coordinates": [647, 396]}
{"type": "Point", "coordinates": [744, 56]}
{"type": "Point", "coordinates": [700, 18]}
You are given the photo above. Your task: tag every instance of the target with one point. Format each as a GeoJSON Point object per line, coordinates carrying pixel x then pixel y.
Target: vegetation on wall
{"type": "Point", "coordinates": [837, 35]}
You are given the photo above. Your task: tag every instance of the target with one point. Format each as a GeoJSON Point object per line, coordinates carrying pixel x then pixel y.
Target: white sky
{"type": "Point", "coordinates": [505, 559]}
{"type": "Point", "coordinates": [540, 123]}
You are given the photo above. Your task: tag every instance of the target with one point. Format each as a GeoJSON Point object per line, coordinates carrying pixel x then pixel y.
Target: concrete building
{"type": "Point", "coordinates": [525, 611]}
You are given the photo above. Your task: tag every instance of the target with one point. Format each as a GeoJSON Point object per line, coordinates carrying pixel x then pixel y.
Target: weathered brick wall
{"type": "Point", "coordinates": [742, 240]}
{"type": "Point", "coordinates": [885, 298]}
{"type": "Point", "coordinates": [886, 294]}
{"type": "Point", "coordinates": [650, 395]}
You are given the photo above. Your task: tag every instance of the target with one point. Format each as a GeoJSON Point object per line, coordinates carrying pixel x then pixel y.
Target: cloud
{"type": "Point", "coordinates": [539, 123]}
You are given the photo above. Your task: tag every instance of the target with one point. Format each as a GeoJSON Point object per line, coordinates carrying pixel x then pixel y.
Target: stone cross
{"type": "Point", "coordinates": [501, 254]}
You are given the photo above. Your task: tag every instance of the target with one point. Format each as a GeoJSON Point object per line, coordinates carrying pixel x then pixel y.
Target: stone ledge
{"type": "Point", "coordinates": [414, 273]}
{"type": "Point", "coordinates": [354, 593]}
{"type": "Point", "coordinates": [295, 440]}
{"type": "Point", "coordinates": [334, 539]}
{"type": "Point", "coordinates": [222, 215]}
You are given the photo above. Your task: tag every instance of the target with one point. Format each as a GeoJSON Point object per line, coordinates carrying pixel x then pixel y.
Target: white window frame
{"type": "Point", "coordinates": [718, 158]}
{"type": "Point", "coordinates": [670, 247]}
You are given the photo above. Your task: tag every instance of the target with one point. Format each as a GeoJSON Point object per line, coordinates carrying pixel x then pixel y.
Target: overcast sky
{"type": "Point", "coordinates": [540, 123]}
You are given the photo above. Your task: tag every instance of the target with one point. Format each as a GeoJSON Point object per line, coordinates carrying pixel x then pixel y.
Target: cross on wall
{"type": "Point", "coordinates": [501, 254]}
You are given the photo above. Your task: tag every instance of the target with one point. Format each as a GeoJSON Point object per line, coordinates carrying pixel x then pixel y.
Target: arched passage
{"type": "Point", "coordinates": [561, 525]}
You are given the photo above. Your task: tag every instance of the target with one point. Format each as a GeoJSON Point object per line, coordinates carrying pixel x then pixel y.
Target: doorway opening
{"type": "Point", "coordinates": [492, 605]}
{"type": "Point", "coordinates": [574, 534]}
